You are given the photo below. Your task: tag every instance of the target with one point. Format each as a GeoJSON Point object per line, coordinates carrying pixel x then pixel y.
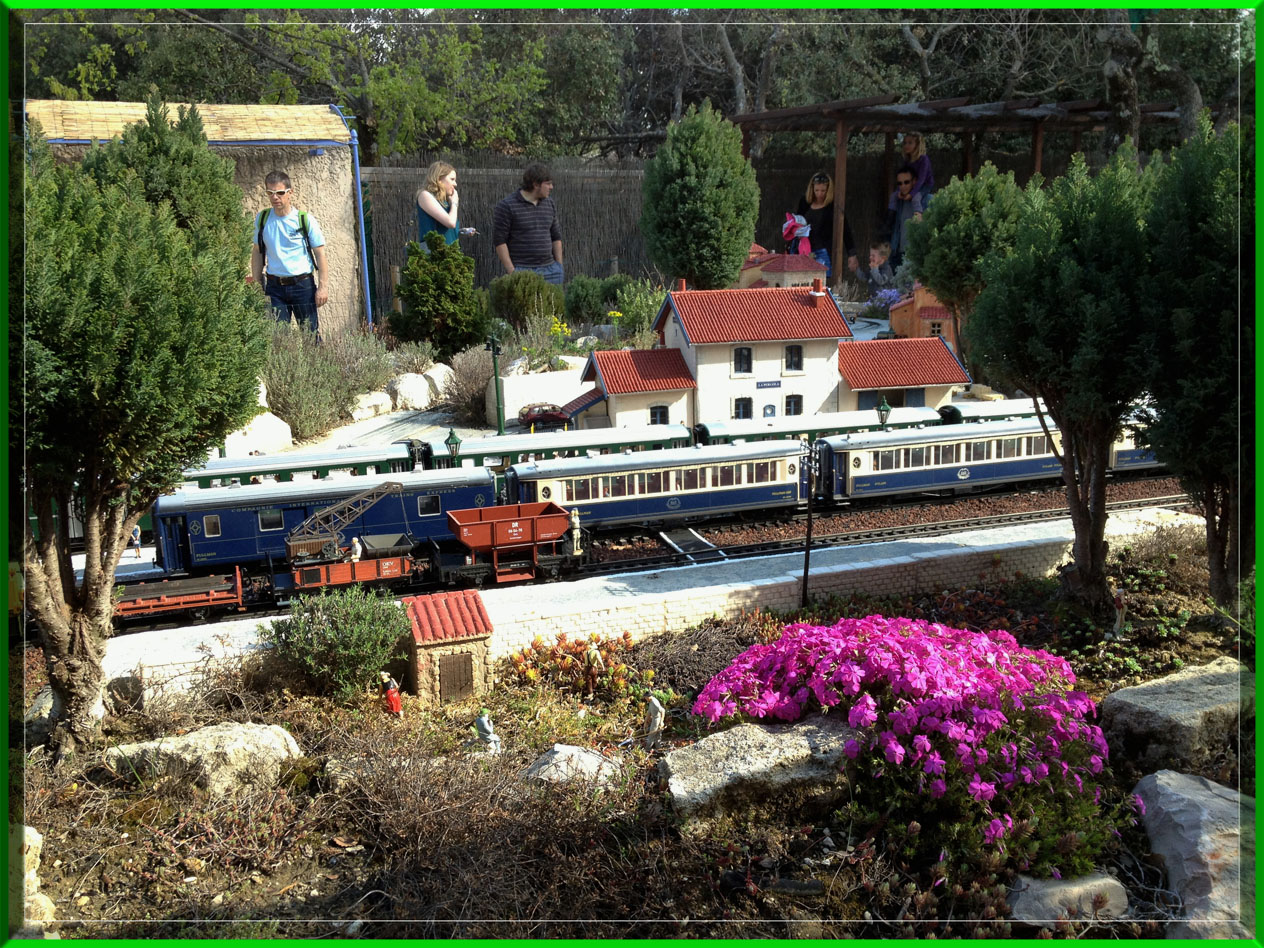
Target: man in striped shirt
{"type": "Point", "coordinates": [525, 231]}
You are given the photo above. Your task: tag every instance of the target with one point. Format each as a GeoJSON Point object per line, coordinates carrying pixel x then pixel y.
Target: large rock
{"type": "Point", "coordinates": [1181, 720]}
{"type": "Point", "coordinates": [1044, 901]}
{"type": "Point", "coordinates": [26, 844]}
{"type": "Point", "coordinates": [441, 380]}
{"type": "Point", "coordinates": [265, 433]}
{"type": "Point", "coordinates": [410, 392]}
{"type": "Point", "coordinates": [44, 713]}
{"type": "Point", "coordinates": [747, 764]}
{"type": "Point", "coordinates": [370, 405]}
{"type": "Point", "coordinates": [222, 758]}
{"type": "Point", "coordinates": [1205, 833]}
{"type": "Point", "coordinates": [564, 763]}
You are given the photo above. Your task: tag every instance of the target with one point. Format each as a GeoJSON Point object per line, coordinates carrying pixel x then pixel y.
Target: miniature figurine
{"type": "Point", "coordinates": [485, 732]}
{"type": "Point", "coordinates": [654, 714]}
{"type": "Point", "coordinates": [390, 691]}
{"type": "Point", "coordinates": [357, 550]}
{"type": "Point", "coordinates": [594, 667]}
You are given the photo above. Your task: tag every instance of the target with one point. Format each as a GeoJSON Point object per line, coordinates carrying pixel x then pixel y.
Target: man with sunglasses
{"type": "Point", "coordinates": [903, 206]}
{"type": "Point", "coordinates": [291, 246]}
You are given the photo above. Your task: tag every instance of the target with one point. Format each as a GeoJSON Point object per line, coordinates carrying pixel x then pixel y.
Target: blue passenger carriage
{"type": "Point", "coordinates": [955, 458]}
{"type": "Point", "coordinates": [658, 486]}
{"type": "Point", "coordinates": [243, 525]}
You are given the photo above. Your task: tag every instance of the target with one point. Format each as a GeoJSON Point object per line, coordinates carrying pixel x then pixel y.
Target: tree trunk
{"type": "Point", "coordinates": [1123, 56]}
{"type": "Point", "coordinates": [1220, 515]}
{"type": "Point", "coordinates": [1084, 459]}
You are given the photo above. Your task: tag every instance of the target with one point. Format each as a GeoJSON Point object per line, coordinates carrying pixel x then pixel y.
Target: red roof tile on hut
{"type": "Point", "coordinates": [792, 263]}
{"type": "Point", "coordinates": [899, 363]}
{"type": "Point", "coordinates": [621, 371]}
{"type": "Point", "coordinates": [444, 617]}
{"type": "Point", "coordinates": [755, 315]}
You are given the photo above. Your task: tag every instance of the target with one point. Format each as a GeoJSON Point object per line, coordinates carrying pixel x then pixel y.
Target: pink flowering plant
{"type": "Point", "coordinates": [984, 743]}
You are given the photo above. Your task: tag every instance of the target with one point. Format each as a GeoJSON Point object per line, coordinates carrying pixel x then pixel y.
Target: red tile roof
{"type": "Point", "coordinates": [758, 260]}
{"type": "Point", "coordinates": [933, 312]}
{"type": "Point", "coordinates": [792, 263]}
{"type": "Point", "coordinates": [443, 617]}
{"type": "Point", "coordinates": [899, 363]}
{"type": "Point", "coordinates": [622, 371]}
{"type": "Point", "coordinates": [755, 315]}
{"type": "Point", "coordinates": [583, 402]}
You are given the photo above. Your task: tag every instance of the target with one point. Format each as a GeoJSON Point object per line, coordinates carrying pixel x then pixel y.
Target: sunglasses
{"type": "Point", "coordinates": [903, 180]}
{"type": "Point", "coordinates": [820, 179]}
{"type": "Point", "coordinates": [276, 193]}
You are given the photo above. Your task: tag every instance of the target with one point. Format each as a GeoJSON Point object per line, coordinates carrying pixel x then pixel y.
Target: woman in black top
{"type": "Point", "coordinates": [817, 208]}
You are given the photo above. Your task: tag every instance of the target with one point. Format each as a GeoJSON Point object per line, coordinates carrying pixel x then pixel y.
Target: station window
{"type": "Point", "coordinates": [794, 404]}
{"type": "Point", "coordinates": [742, 364]}
{"type": "Point", "coordinates": [427, 506]}
{"type": "Point", "coordinates": [742, 408]}
{"type": "Point", "coordinates": [770, 411]}
{"type": "Point", "coordinates": [658, 414]}
{"type": "Point", "coordinates": [794, 359]}
{"type": "Point", "coordinates": [210, 525]}
{"type": "Point", "coordinates": [271, 520]}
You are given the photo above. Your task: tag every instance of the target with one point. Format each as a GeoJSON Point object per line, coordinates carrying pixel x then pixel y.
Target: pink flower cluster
{"type": "Point", "coordinates": [927, 697]}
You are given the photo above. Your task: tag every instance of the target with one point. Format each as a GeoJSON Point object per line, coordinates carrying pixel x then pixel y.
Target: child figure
{"type": "Point", "coordinates": [135, 540]}
{"type": "Point", "coordinates": [879, 275]}
{"type": "Point", "coordinates": [390, 691]}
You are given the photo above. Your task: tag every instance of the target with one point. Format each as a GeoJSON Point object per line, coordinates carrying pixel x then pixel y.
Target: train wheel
{"type": "Point", "coordinates": [198, 615]}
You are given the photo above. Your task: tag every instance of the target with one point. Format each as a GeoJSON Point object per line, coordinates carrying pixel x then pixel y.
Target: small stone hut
{"type": "Point", "coordinates": [311, 143]}
{"type": "Point", "coordinates": [450, 655]}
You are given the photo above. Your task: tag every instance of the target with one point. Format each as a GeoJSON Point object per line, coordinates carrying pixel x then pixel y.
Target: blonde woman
{"type": "Point", "coordinates": [915, 156]}
{"type": "Point", "coordinates": [438, 204]}
{"type": "Point", "coordinates": [817, 208]}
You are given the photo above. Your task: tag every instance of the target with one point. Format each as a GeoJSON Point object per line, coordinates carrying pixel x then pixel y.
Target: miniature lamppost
{"type": "Point", "coordinates": [494, 348]}
{"type": "Point", "coordinates": [884, 412]}
{"type": "Point", "coordinates": [453, 443]}
{"type": "Point", "coordinates": [808, 460]}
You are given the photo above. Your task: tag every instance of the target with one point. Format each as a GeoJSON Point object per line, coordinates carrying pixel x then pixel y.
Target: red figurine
{"type": "Point", "coordinates": [390, 690]}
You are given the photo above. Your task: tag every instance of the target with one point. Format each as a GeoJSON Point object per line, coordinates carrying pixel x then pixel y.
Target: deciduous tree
{"type": "Point", "coordinates": [1061, 318]}
{"type": "Point", "coordinates": [700, 201]}
{"type": "Point", "coordinates": [1202, 232]}
{"type": "Point", "coordinates": [142, 349]}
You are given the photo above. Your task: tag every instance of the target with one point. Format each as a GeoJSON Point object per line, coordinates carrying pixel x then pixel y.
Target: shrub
{"type": "Point", "coordinates": [301, 389]}
{"type": "Point", "coordinates": [523, 295]}
{"type": "Point", "coordinates": [339, 640]}
{"type": "Point", "coordinates": [471, 371]}
{"type": "Point", "coordinates": [637, 302]}
{"type": "Point", "coordinates": [415, 357]}
{"type": "Point", "coordinates": [585, 300]}
{"type": "Point", "coordinates": [979, 754]}
{"type": "Point", "coordinates": [360, 360]}
{"type": "Point", "coordinates": [541, 342]}
{"type": "Point", "coordinates": [440, 303]}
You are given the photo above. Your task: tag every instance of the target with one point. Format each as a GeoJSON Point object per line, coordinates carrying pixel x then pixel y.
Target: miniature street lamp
{"type": "Point", "coordinates": [494, 348]}
{"type": "Point", "coordinates": [884, 412]}
{"type": "Point", "coordinates": [808, 460]}
{"type": "Point", "coordinates": [453, 443]}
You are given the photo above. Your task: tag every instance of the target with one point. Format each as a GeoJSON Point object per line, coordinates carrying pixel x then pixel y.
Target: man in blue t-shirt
{"type": "Point", "coordinates": [294, 259]}
{"type": "Point", "coordinates": [525, 232]}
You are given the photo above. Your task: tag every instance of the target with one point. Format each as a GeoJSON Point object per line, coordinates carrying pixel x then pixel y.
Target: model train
{"type": "Point", "coordinates": [231, 546]}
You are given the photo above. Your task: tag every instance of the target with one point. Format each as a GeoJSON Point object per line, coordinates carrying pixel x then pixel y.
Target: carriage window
{"type": "Point", "coordinates": [794, 404]}
{"type": "Point", "coordinates": [979, 451]}
{"type": "Point", "coordinates": [678, 480]}
{"type": "Point", "coordinates": [947, 454]}
{"type": "Point", "coordinates": [726, 475]}
{"type": "Point", "coordinates": [619, 485]}
{"type": "Point", "coordinates": [794, 359]}
{"type": "Point", "coordinates": [691, 478]}
{"type": "Point", "coordinates": [915, 457]}
{"type": "Point", "coordinates": [210, 525]}
{"type": "Point", "coordinates": [1038, 444]}
{"type": "Point", "coordinates": [428, 506]}
{"type": "Point", "coordinates": [658, 414]}
{"type": "Point", "coordinates": [655, 482]}
{"type": "Point", "coordinates": [581, 489]}
{"type": "Point", "coordinates": [742, 360]}
{"type": "Point", "coordinates": [1009, 447]}
{"type": "Point", "coordinates": [884, 460]}
{"type": "Point", "coordinates": [568, 490]}
{"type": "Point", "coordinates": [763, 472]}
{"type": "Point", "coordinates": [271, 520]}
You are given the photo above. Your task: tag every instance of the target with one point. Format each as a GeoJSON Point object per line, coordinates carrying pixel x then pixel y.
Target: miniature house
{"type": "Point", "coordinates": [451, 636]}
{"type": "Point", "coordinates": [908, 373]}
{"type": "Point", "coordinates": [780, 270]}
{"type": "Point", "coordinates": [634, 387]}
{"type": "Point", "coordinates": [756, 353]}
{"type": "Point", "coordinates": [922, 316]}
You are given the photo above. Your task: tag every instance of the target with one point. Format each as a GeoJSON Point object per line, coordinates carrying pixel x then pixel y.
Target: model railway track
{"type": "Point", "coordinates": [861, 537]}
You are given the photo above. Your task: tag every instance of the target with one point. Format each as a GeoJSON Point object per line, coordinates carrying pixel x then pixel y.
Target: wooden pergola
{"type": "Point", "coordinates": [882, 114]}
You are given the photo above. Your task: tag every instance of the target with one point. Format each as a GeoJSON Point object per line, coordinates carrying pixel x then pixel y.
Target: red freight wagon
{"type": "Point", "coordinates": [515, 541]}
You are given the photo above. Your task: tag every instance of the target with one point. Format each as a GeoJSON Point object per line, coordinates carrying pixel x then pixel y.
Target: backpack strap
{"type": "Point", "coordinates": [302, 227]}
{"type": "Point", "coordinates": [260, 220]}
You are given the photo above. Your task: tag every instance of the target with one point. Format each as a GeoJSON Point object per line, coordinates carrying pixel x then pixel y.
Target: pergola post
{"type": "Point", "coordinates": [838, 260]}
{"type": "Point", "coordinates": [1037, 146]}
{"type": "Point", "coordinates": [746, 140]}
{"type": "Point", "coordinates": [888, 164]}
{"type": "Point", "coordinates": [1077, 141]}
{"type": "Point", "coordinates": [967, 154]}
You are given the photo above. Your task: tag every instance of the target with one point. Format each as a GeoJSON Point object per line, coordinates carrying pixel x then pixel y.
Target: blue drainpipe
{"type": "Point", "coordinates": [359, 200]}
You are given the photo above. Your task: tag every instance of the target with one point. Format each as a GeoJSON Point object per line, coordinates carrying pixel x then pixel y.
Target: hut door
{"type": "Point", "coordinates": [456, 676]}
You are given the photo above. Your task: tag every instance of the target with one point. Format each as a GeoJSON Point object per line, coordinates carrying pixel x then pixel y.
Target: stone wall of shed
{"type": "Point", "coordinates": [324, 186]}
{"type": "Point", "coordinates": [424, 671]}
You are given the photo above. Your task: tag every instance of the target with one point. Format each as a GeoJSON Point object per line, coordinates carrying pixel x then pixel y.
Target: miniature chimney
{"type": "Point", "coordinates": [818, 289]}
{"type": "Point", "coordinates": [680, 285]}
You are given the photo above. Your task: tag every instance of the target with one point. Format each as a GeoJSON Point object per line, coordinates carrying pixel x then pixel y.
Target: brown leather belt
{"type": "Point", "coordinates": [289, 281]}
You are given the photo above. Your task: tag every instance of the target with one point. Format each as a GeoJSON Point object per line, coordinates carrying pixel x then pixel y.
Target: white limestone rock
{"type": "Point", "coordinates": [1043, 902]}
{"type": "Point", "coordinates": [748, 763]}
{"type": "Point", "coordinates": [564, 763]}
{"type": "Point", "coordinates": [45, 711]}
{"type": "Point", "coordinates": [370, 405]}
{"type": "Point", "coordinates": [1205, 834]}
{"type": "Point", "coordinates": [265, 433]}
{"type": "Point", "coordinates": [441, 379]}
{"type": "Point", "coordinates": [222, 758]}
{"type": "Point", "coordinates": [410, 392]}
{"type": "Point", "coordinates": [1181, 719]}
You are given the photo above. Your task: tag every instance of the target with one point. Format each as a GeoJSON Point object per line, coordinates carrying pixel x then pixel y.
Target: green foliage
{"type": "Point", "coordinates": [1202, 219]}
{"type": "Point", "coordinates": [700, 201]}
{"type": "Point", "coordinates": [564, 665]}
{"type": "Point", "coordinates": [522, 296]}
{"type": "Point", "coordinates": [414, 357]}
{"type": "Point", "coordinates": [440, 304]}
{"type": "Point", "coordinates": [969, 221]}
{"type": "Point", "coordinates": [541, 342]}
{"type": "Point", "coordinates": [339, 640]}
{"type": "Point", "coordinates": [590, 299]}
